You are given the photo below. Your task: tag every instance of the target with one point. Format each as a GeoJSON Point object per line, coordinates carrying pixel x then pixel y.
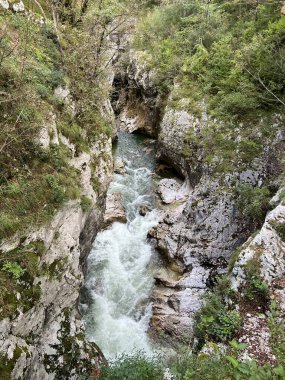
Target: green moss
{"type": "Point", "coordinates": [56, 268]}
{"type": "Point", "coordinates": [69, 350]}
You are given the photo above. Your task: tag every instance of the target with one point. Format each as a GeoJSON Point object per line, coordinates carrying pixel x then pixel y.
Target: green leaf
{"type": "Point", "coordinates": [234, 362]}
{"type": "Point", "coordinates": [237, 345]}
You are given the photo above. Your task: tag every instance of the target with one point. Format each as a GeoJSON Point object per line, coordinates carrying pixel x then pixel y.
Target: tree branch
{"type": "Point", "coordinates": [265, 87]}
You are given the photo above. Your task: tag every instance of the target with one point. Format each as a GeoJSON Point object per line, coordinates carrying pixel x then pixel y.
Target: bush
{"type": "Point", "coordinates": [224, 325]}
{"type": "Point", "coordinates": [43, 91]}
{"type": "Point", "coordinates": [86, 203]}
{"type": "Point", "coordinates": [279, 228]}
{"type": "Point", "coordinates": [255, 289]}
{"type": "Point", "coordinates": [213, 366]}
{"type": "Point", "coordinates": [277, 330]}
{"type": "Point", "coordinates": [253, 203]}
{"type": "Point", "coordinates": [216, 321]}
{"type": "Point", "coordinates": [136, 367]}
{"type": "Point", "coordinates": [8, 224]}
{"type": "Point", "coordinates": [18, 271]}
{"type": "Point", "coordinates": [14, 269]}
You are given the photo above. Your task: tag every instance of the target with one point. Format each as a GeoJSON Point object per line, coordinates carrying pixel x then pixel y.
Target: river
{"type": "Point", "coordinates": [121, 263]}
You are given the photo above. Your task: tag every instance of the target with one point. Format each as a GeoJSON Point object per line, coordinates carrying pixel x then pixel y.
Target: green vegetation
{"type": "Point", "coordinates": [232, 53]}
{"type": "Point", "coordinates": [34, 181]}
{"type": "Point", "coordinates": [18, 270]}
{"type": "Point", "coordinates": [212, 366]}
{"type": "Point", "coordinates": [217, 320]}
{"type": "Point", "coordinates": [225, 59]}
{"type": "Point", "coordinates": [256, 289]}
{"type": "Point", "coordinates": [279, 228]}
{"type": "Point", "coordinates": [277, 331]}
{"type": "Point", "coordinates": [86, 203]}
{"type": "Point", "coordinates": [217, 365]}
{"type": "Point", "coordinates": [7, 365]}
{"type": "Point", "coordinates": [132, 368]}
{"type": "Point", "coordinates": [253, 203]}
{"type": "Point", "coordinates": [35, 192]}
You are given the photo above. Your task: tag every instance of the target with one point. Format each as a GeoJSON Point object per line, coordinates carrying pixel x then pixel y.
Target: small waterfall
{"type": "Point", "coordinates": [119, 275]}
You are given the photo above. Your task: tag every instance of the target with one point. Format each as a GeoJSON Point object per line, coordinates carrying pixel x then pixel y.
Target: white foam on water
{"type": "Point", "coordinates": [119, 278]}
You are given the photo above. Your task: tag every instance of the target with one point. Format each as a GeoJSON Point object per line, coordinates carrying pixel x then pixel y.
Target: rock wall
{"type": "Point", "coordinates": [267, 248]}
{"type": "Point", "coordinates": [48, 341]}
{"type": "Point", "coordinates": [200, 224]}
{"type": "Point", "coordinates": [198, 234]}
{"type": "Point", "coordinates": [136, 99]}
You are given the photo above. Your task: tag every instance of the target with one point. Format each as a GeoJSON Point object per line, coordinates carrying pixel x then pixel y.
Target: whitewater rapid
{"type": "Point", "coordinates": [120, 266]}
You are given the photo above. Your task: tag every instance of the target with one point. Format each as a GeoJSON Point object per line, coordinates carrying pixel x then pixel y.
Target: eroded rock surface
{"type": "Point", "coordinates": [268, 247]}
{"type": "Point", "coordinates": [171, 190]}
{"type": "Point", "coordinates": [119, 166]}
{"type": "Point", "coordinates": [200, 233]}
{"type": "Point", "coordinates": [114, 210]}
{"type": "Point", "coordinates": [45, 332]}
{"type": "Point", "coordinates": [37, 342]}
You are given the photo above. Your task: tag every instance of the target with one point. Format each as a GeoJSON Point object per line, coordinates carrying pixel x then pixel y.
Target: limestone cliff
{"type": "Point", "coordinates": [47, 341]}
{"type": "Point", "coordinates": [42, 335]}
{"type": "Point", "coordinates": [201, 221]}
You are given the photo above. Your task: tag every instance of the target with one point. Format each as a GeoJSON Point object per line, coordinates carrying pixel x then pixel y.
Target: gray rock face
{"type": "Point", "coordinates": [4, 4]}
{"type": "Point", "coordinates": [172, 131]}
{"type": "Point", "coordinates": [46, 332]}
{"type": "Point", "coordinates": [138, 106]}
{"type": "Point", "coordinates": [198, 235]}
{"type": "Point", "coordinates": [171, 190]}
{"type": "Point", "coordinates": [18, 7]}
{"type": "Point", "coordinates": [114, 210]}
{"type": "Point", "coordinates": [268, 246]}
{"type": "Point", "coordinates": [119, 166]}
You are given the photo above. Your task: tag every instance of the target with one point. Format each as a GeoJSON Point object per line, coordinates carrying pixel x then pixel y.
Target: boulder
{"type": "Point", "coordinates": [168, 189]}
{"type": "Point", "coordinates": [18, 7]}
{"type": "Point", "coordinates": [143, 210]}
{"type": "Point", "coordinates": [172, 190]}
{"type": "Point", "coordinates": [119, 166]}
{"type": "Point", "coordinates": [114, 210]}
{"type": "Point", "coordinates": [4, 4]}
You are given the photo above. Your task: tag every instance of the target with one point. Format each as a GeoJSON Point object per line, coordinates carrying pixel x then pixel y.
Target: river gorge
{"type": "Point", "coordinates": [121, 263]}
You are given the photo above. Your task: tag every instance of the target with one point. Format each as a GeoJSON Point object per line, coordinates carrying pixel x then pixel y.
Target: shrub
{"type": "Point", "coordinates": [277, 330]}
{"type": "Point", "coordinates": [8, 224]}
{"type": "Point", "coordinates": [201, 368]}
{"type": "Point", "coordinates": [14, 269]}
{"type": "Point", "coordinates": [58, 193]}
{"type": "Point", "coordinates": [216, 321]}
{"type": "Point", "coordinates": [136, 367]}
{"type": "Point", "coordinates": [253, 203]}
{"type": "Point", "coordinates": [255, 289]}
{"type": "Point", "coordinates": [86, 203]}
{"type": "Point", "coordinates": [43, 91]}
{"type": "Point", "coordinates": [279, 228]}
